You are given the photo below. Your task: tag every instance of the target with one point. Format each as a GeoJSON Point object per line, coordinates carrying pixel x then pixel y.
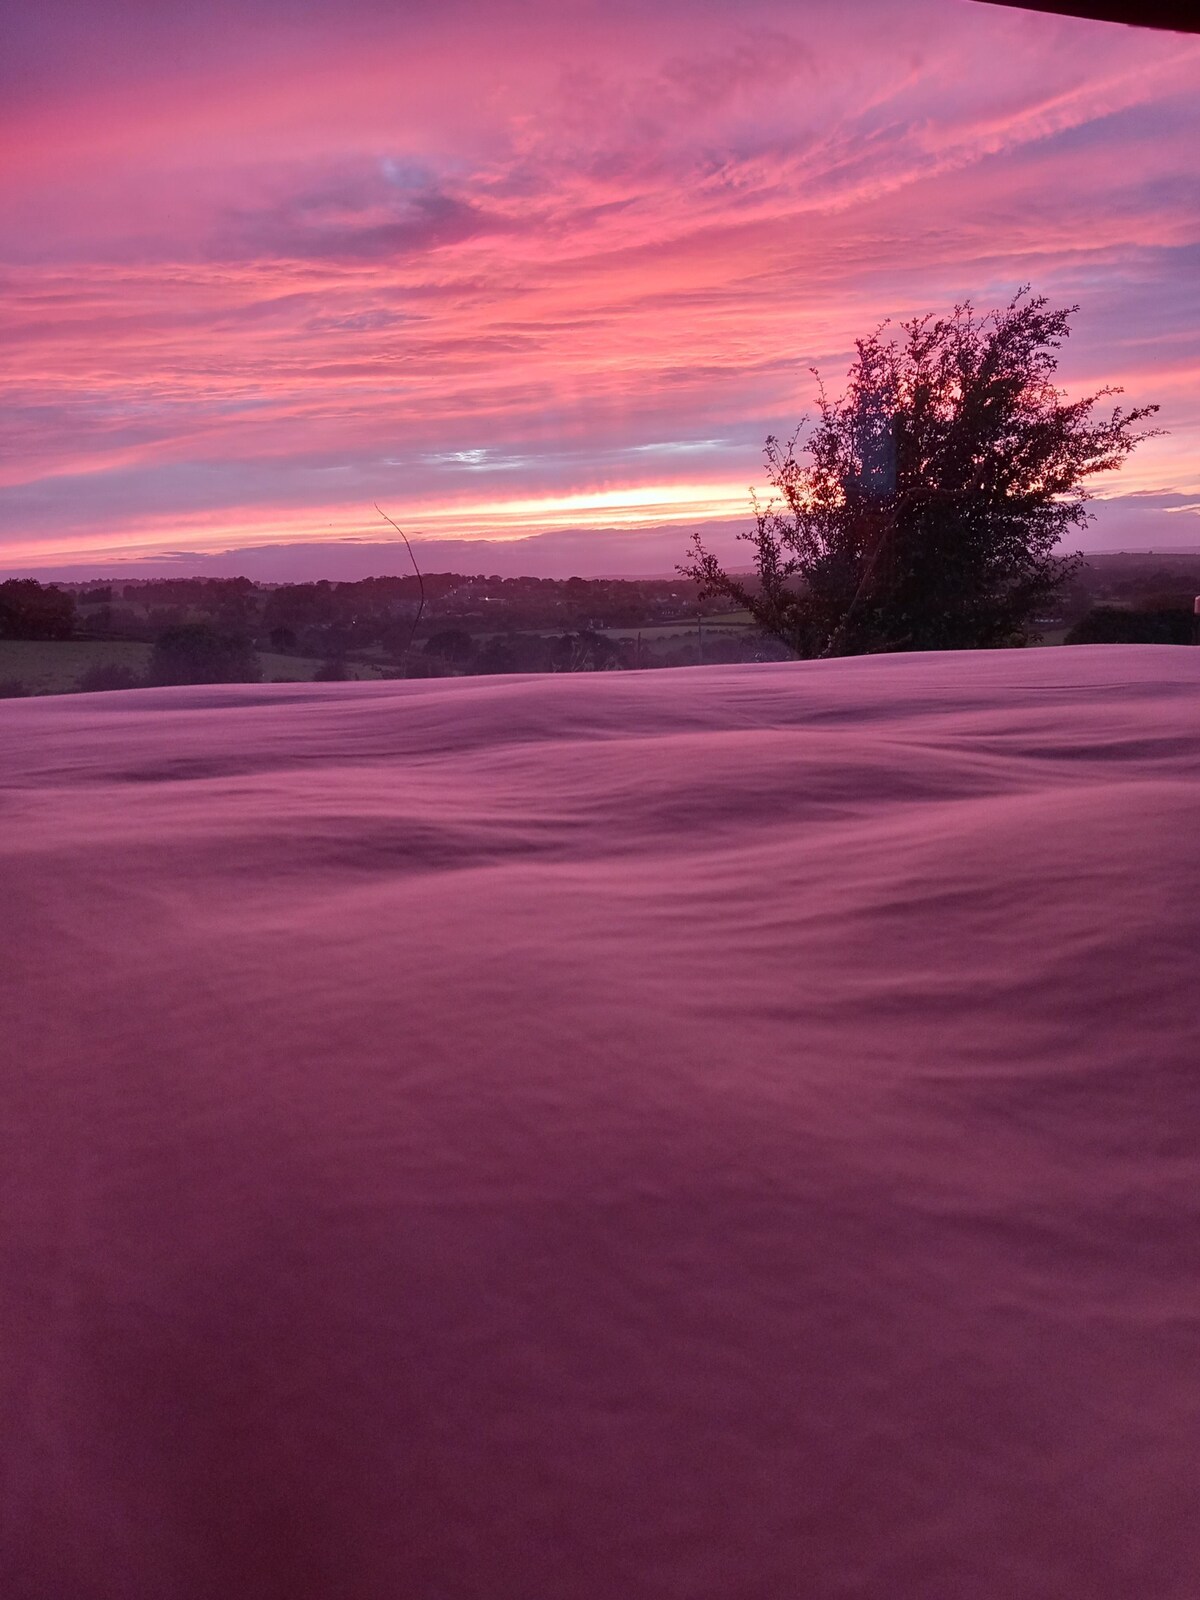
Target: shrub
{"type": "Point", "coordinates": [195, 652]}
{"type": "Point", "coordinates": [331, 671]}
{"type": "Point", "coordinates": [106, 675]}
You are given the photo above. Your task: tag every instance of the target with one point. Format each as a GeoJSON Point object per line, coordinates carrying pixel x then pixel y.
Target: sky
{"type": "Point", "coordinates": [546, 269]}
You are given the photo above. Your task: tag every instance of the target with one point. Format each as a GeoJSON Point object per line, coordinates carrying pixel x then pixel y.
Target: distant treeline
{"type": "Point", "coordinates": [214, 629]}
{"type": "Point", "coordinates": [330, 618]}
{"type": "Point", "coordinates": [209, 630]}
{"type": "Point", "coordinates": [31, 610]}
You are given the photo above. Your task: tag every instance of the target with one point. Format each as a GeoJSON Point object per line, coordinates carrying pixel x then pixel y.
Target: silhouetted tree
{"type": "Point", "coordinates": [934, 492]}
{"type": "Point", "coordinates": [451, 644]}
{"type": "Point", "coordinates": [30, 610]}
{"type": "Point", "coordinates": [519, 652]}
{"type": "Point", "coordinates": [195, 652]}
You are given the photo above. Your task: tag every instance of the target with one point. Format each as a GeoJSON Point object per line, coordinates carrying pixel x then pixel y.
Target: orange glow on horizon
{"type": "Point", "coordinates": [642, 507]}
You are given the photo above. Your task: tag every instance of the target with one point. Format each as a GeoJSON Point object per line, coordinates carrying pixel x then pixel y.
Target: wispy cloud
{"type": "Point", "coordinates": [259, 270]}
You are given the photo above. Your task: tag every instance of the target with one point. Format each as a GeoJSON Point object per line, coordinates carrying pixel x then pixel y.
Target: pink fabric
{"type": "Point", "coordinates": [668, 1136]}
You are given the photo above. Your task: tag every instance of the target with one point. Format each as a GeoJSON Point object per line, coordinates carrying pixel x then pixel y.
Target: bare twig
{"type": "Point", "coordinates": [420, 580]}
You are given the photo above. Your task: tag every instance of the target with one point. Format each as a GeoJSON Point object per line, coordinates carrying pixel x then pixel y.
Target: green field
{"type": "Point", "coordinates": [685, 627]}
{"type": "Point", "coordinates": [55, 667]}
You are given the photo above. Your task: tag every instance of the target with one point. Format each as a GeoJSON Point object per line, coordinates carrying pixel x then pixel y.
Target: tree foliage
{"type": "Point", "coordinates": [196, 652]}
{"type": "Point", "coordinates": [30, 610]}
{"type": "Point", "coordinates": [923, 509]}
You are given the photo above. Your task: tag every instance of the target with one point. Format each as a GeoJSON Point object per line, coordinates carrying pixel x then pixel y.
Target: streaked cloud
{"type": "Point", "coordinates": [498, 266]}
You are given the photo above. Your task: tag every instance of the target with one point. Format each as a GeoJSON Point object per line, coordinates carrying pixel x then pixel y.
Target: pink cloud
{"type": "Point", "coordinates": [270, 270]}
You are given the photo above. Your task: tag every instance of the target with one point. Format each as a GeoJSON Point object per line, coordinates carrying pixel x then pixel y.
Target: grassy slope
{"type": "Point", "coordinates": [54, 667]}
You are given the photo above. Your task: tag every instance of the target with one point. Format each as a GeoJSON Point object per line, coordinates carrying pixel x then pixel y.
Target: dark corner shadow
{"type": "Point", "coordinates": [1177, 15]}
